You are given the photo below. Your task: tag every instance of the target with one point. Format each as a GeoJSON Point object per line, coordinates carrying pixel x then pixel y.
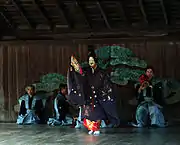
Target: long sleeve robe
{"type": "Point", "coordinates": [94, 91]}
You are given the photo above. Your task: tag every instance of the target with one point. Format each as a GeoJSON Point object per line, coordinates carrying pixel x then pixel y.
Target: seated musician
{"type": "Point", "coordinates": [149, 110]}
{"type": "Point", "coordinates": [61, 108]}
{"type": "Point", "coordinates": [30, 107]}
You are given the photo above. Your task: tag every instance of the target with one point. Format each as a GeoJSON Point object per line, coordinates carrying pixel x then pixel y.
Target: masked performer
{"type": "Point", "coordinates": [149, 108]}
{"type": "Point", "coordinates": [95, 95]}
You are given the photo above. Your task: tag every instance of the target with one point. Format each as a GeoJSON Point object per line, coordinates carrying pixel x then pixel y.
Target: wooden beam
{"type": "Point", "coordinates": [7, 20]}
{"type": "Point", "coordinates": [128, 31]}
{"type": "Point", "coordinates": [12, 30]}
{"type": "Point", "coordinates": [23, 13]}
{"type": "Point", "coordinates": [107, 41]}
{"type": "Point", "coordinates": [123, 11]}
{"type": "Point", "coordinates": [103, 14]}
{"type": "Point", "coordinates": [61, 7]}
{"type": "Point", "coordinates": [164, 12]}
{"type": "Point", "coordinates": [43, 12]}
{"type": "Point", "coordinates": [143, 11]}
{"type": "Point", "coordinates": [7, 17]}
{"type": "Point", "coordinates": [88, 36]}
{"type": "Point", "coordinates": [81, 7]}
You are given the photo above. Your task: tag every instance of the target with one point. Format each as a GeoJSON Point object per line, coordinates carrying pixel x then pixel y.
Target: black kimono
{"type": "Point", "coordinates": [98, 99]}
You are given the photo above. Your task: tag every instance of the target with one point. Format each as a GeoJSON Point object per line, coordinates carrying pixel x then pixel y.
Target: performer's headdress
{"type": "Point", "coordinates": [91, 53]}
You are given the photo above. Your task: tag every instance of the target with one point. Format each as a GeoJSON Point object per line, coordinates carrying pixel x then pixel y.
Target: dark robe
{"type": "Point", "coordinates": [98, 100]}
{"type": "Point", "coordinates": [62, 106]}
{"type": "Point", "coordinates": [76, 87]}
{"type": "Point", "coordinates": [101, 97]}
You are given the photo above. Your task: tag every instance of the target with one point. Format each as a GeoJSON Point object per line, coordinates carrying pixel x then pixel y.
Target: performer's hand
{"type": "Point", "coordinates": [141, 88]}
{"type": "Point", "coordinates": [145, 84]}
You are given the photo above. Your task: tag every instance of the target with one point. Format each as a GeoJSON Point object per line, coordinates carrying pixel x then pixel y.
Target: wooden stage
{"type": "Point", "coordinates": [12, 134]}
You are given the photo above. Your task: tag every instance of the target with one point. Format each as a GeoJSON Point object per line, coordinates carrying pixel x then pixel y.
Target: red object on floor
{"type": "Point", "coordinates": [91, 125]}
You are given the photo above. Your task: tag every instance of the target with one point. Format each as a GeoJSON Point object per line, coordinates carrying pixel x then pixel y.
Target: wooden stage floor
{"type": "Point", "coordinates": [12, 134]}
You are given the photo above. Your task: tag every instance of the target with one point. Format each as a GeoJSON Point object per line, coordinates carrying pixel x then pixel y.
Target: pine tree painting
{"type": "Point", "coordinates": [125, 65]}
{"type": "Point", "coordinates": [50, 82]}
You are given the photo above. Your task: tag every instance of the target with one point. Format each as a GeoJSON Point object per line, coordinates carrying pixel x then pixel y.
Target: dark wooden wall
{"type": "Point", "coordinates": [22, 63]}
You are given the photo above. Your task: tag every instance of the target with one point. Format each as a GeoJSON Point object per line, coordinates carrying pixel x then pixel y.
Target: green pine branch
{"type": "Point", "coordinates": [50, 82]}
{"type": "Point", "coordinates": [129, 62]}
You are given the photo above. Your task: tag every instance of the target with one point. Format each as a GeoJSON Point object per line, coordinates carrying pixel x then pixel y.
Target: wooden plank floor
{"type": "Point", "coordinates": [12, 134]}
